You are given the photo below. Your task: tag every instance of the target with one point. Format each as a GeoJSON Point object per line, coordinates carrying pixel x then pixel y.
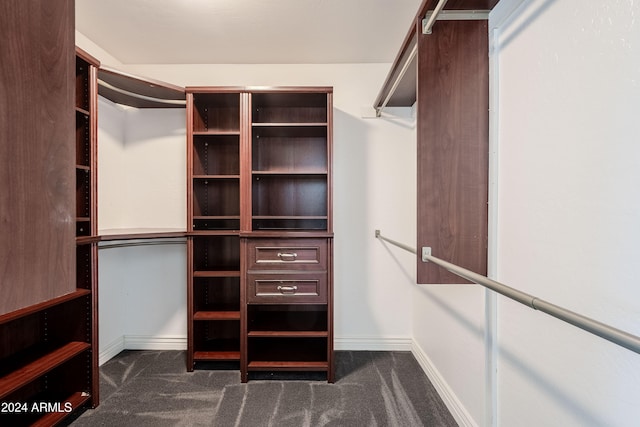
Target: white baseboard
{"type": "Point", "coordinates": [457, 409]}
{"type": "Point", "coordinates": [169, 342]}
{"type": "Point", "coordinates": [155, 342]}
{"type": "Point", "coordinates": [372, 343]}
{"type": "Point", "coordinates": [142, 342]}
{"type": "Point", "coordinates": [111, 350]}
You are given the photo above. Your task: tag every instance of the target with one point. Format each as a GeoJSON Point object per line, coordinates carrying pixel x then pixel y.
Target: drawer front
{"type": "Point", "coordinates": [296, 254]}
{"type": "Point", "coordinates": [287, 288]}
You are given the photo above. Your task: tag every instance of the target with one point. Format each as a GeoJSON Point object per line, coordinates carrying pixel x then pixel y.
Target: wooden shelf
{"type": "Point", "coordinates": [77, 400]}
{"type": "Point", "coordinates": [27, 311]}
{"type": "Point", "coordinates": [216, 217]}
{"type": "Point", "coordinates": [290, 172]}
{"type": "Point", "coordinates": [216, 177]}
{"type": "Point", "coordinates": [217, 273]}
{"type": "Point", "coordinates": [288, 334]}
{"type": "Point", "coordinates": [212, 356]}
{"type": "Point", "coordinates": [82, 111]}
{"type": "Point", "coordinates": [29, 372]}
{"type": "Point", "coordinates": [287, 366]}
{"type": "Point", "coordinates": [216, 133]}
{"type": "Point", "coordinates": [289, 217]}
{"type": "Point", "coordinates": [287, 124]}
{"type": "Point", "coordinates": [216, 315]}
{"type": "Point", "coordinates": [213, 232]}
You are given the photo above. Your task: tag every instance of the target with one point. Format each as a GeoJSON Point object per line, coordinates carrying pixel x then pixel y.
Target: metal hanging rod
{"type": "Point", "coordinates": [139, 96]}
{"type": "Point", "coordinates": [393, 242]}
{"type": "Point", "coordinates": [609, 333]}
{"type": "Point", "coordinates": [398, 79]}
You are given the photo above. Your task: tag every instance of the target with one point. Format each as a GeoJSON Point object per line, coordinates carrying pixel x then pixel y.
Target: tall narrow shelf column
{"type": "Point", "coordinates": [86, 90]}
{"type": "Point", "coordinates": [214, 140]}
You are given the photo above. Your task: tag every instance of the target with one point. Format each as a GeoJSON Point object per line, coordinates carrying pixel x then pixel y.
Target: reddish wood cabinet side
{"type": "Point", "coordinates": [453, 147]}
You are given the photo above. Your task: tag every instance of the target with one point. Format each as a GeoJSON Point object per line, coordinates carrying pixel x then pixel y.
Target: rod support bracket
{"type": "Point", "coordinates": [426, 252]}
{"type": "Point", "coordinates": [377, 234]}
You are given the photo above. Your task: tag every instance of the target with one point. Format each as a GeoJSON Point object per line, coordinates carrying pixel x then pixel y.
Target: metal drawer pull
{"type": "Point", "coordinates": [287, 289]}
{"type": "Point", "coordinates": [287, 256]}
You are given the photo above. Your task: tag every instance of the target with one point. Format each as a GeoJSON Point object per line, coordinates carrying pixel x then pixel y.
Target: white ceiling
{"type": "Point", "coordinates": [247, 31]}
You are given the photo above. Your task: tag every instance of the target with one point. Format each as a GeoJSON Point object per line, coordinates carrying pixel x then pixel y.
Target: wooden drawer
{"type": "Point", "coordinates": [287, 288]}
{"type": "Point", "coordinates": [295, 254]}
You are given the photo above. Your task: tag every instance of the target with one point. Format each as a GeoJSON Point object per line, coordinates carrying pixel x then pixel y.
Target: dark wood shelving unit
{"type": "Point", "coordinates": [260, 228]}
{"type": "Point", "coordinates": [48, 330]}
{"type": "Point", "coordinates": [287, 273]}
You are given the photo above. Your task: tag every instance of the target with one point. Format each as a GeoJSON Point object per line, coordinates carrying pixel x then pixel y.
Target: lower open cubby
{"type": "Point", "coordinates": [283, 319]}
{"type": "Point", "coordinates": [215, 253]}
{"type": "Point", "coordinates": [287, 338]}
{"type": "Point", "coordinates": [289, 223]}
{"type": "Point", "coordinates": [216, 222]}
{"type": "Point", "coordinates": [287, 353]}
{"type": "Point", "coordinates": [218, 294]}
{"type": "Point", "coordinates": [216, 340]}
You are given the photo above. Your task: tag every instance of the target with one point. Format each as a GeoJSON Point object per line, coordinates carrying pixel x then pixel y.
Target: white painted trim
{"type": "Point", "coordinates": [455, 406]}
{"type": "Point", "coordinates": [110, 350]}
{"type": "Point", "coordinates": [155, 342]}
{"type": "Point", "coordinates": [373, 343]}
{"type": "Point", "coordinates": [141, 342]}
{"type": "Point", "coordinates": [490, 299]}
{"type": "Point", "coordinates": [503, 12]}
{"type": "Point", "coordinates": [172, 342]}
{"type": "Point", "coordinates": [500, 17]}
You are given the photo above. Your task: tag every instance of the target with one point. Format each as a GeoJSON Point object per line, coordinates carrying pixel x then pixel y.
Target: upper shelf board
{"type": "Point", "coordinates": [139, 92]}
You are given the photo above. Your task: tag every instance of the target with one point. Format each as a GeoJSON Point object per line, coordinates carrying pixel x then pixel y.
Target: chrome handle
{"type": "Point", "coordinates": [287, 256]}
{"type": "Point", "coordinates": [287, 289]}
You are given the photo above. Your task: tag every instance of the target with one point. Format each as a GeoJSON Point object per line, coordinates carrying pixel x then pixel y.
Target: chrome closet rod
{"type": "Point", "coordinates": [609, 333]}
{"type": "Point", "coordinates": [395, 243]}
{"type": "Point", "coordinates": [399, 77]}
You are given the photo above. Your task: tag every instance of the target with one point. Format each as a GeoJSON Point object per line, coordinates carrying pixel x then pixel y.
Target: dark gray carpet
{"type": "Point", "coordinates": [152, 388]}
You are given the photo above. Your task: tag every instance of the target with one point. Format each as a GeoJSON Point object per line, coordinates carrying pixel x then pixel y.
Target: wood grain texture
{"type": "Point", "coordinates": [37, 152]}
{"type": "Point", "coordinates": [453, 136]}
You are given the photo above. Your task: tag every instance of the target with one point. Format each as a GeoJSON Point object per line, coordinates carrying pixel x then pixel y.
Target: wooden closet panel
{"type": "Point", "coordinates": [453, 135]}
{"type": "Point", "coordinates": [468, 4]}
{"type": "Point", "coordinates": [37, 152]}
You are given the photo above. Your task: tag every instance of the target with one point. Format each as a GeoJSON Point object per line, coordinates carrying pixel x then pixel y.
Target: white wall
{"type": "Point", "coordinates": [141, 184]}
{"type": "Point", "coordinates": [143, 299]}
{"type": "Point", "coordinates": [141, 167]}
{"type": "Point", "coordinates": [565, 208]}
{"type": "Point", "coordinates": [568, 208]}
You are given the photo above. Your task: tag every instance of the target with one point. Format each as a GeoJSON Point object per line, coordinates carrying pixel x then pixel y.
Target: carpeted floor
{"type": "Point", "coordinates": [152, 388]}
